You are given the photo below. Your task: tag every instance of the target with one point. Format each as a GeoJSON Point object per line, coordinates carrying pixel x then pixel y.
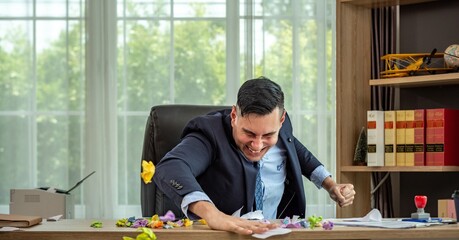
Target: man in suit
{"type": "Point", "coordinates": [244, 158]}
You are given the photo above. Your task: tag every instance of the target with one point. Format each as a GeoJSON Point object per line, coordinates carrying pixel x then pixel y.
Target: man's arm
{"type": "Point", "coordinates": [220, 221]}
{"type": "Point", "coordinates": [176, 173]}
{"type": "Point", "coordinates": [175, 176]}
{"type": "Point", "coordinates": [191, 198]}
{"type": "Point", "coordinates": [343, 194]}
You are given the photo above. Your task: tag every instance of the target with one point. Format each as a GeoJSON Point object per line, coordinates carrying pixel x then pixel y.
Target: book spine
{"type": "Point", "coordinates": [439, 137]}
{"type": "Point", "coordinates": [430, 145]}
{"type": "Point", "coordinates": [419, 137]}
{"type": "Point", "coordinates": [446, 137]}
{"type": "Point", "coordinates": [389, 138]}
{"type": "Point", "coordinates": [400, 132]}
{"type": "Point", "coordinates": [375, 138]}
{"type": "Point", "coordinates": [409, 138]}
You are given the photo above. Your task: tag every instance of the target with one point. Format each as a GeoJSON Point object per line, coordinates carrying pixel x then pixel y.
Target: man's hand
{"type": "Point", "coordinates": [220, 221]}
{"type": "Point", "coordinates": [343, 194]}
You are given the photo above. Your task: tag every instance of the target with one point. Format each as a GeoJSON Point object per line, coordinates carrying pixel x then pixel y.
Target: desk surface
{"type": "Point", "coordinates": [80, 229]}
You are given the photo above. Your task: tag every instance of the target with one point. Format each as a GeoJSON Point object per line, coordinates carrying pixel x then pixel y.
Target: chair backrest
{"type": "Point", "coordinates": [162, 133]}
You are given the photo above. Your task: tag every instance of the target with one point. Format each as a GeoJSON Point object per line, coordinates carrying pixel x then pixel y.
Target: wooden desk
{"type": "Point", "coordinates": [80, 229]}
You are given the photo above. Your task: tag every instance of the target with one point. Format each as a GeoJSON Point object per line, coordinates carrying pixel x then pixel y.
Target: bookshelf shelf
{"type": "Point", "coordinates": [418, 81]}
{"type": "Point", "coordinates": [382, 3]}
{"type": "Point", "coordinates": [400, 169]}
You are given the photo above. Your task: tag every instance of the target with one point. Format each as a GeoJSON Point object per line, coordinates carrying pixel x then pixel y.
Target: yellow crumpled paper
{"type": "Point", "coordinates": [148, 170]}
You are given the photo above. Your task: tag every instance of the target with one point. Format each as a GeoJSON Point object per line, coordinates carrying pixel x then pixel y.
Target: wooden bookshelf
{"type": "Point", "coordinates": [418, 81]}
{"type": "Point", "coordinates": [382, 3]}
{"type": "Point", "coordinates": [353, 84]}
{"type": "Point", "coordinates": [400, 169]}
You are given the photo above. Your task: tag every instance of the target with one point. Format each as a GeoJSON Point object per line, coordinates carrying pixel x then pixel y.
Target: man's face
{"type": "Point", "coordinates": [255, 134]}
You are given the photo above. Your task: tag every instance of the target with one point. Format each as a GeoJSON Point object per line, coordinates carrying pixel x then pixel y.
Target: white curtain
{"type": "Point", "coordinates": [100, 194]}
{"type": "Point", "coordinates": [131, 55]}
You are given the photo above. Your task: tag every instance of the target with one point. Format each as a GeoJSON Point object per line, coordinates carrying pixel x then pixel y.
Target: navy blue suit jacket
{"type": "Point", "coordinates": [208, 160]}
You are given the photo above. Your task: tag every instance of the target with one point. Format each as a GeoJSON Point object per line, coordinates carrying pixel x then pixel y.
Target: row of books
{"type": "Point", "coordinates": [420, 137]}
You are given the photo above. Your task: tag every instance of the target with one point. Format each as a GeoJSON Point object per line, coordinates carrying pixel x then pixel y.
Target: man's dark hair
{"type": "Point", "coordinates": [260, 96]}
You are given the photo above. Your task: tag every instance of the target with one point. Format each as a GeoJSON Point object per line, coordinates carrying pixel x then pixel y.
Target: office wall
{"type": "Point", "coordinates": [423, 27]}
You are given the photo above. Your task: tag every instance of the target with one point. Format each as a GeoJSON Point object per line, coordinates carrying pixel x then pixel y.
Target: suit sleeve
{"type": "Point", "coordinates": [176, 173]}
{"type": "Point", "coordinates": [308, 161]}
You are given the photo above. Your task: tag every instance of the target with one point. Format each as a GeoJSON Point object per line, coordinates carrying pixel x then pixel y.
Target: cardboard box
{"type": "Point", "coordinates": [446, 208]}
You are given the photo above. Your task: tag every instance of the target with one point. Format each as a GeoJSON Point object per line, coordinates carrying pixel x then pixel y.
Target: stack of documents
{"type": "Point", "coordinates": [374, 219]}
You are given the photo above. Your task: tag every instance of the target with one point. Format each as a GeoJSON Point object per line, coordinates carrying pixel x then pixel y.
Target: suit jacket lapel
{"type": "Point", "coordinates": [250, 174]}
{"type": "Point", "coordinates": [249, 171]}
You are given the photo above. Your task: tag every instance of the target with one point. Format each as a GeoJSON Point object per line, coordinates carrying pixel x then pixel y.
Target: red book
{"type": "Point", "coordinates": [445, 130]}
{"type": "Point", "coordinates": [419, 137]}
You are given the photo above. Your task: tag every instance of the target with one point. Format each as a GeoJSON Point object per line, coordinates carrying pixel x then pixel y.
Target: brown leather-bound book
{"type": "Point", "coordinates": [12, 220]}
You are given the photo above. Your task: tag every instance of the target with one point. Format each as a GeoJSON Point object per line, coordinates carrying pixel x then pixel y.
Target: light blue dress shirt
{"type": "Point", "coordinates": [273, 174]}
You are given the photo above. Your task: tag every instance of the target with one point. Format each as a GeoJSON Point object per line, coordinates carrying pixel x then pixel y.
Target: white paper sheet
{"type": "Point", "coordinates": [9, 229]}
{"type": "Point", "coordinates": [272, 232]}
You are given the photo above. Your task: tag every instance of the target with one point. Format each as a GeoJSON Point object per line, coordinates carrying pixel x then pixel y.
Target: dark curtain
{"type": "Point", "coordinates": [384, 37]}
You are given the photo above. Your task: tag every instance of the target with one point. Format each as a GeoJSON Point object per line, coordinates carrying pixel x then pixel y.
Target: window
{"type": "Point", "coordinates": [41, 94]}
{"type": "Point", "coordinates": [67, 113]}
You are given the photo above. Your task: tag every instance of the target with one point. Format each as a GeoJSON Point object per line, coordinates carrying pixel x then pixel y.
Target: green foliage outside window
{"type": "Point", "coordinates": [158, 63]}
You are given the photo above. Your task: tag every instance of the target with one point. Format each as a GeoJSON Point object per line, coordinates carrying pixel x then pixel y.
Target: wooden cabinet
{"type": "Point", "coordinates": [353, 52]}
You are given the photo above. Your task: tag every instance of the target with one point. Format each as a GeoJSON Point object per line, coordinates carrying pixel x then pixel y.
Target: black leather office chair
{"type": "Point", "coordinates": [162, 132]}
